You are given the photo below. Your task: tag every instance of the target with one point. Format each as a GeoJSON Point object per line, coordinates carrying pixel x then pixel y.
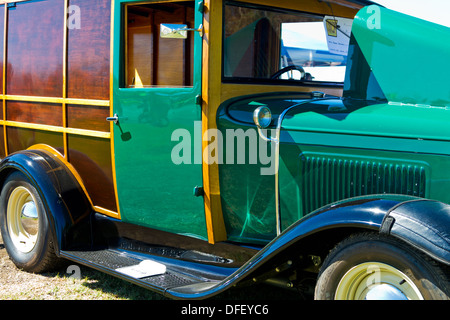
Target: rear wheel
{"type": "Point", "coordinates": [24, 225]}
{"type": "Point", "coordinates": [377, 267]}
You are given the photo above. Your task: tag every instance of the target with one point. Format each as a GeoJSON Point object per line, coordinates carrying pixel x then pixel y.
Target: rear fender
{"type": "Point", "coordinates": [68, 208]}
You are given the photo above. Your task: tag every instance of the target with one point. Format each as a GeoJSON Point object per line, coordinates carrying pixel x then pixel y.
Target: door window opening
{"type": "Point", "coordinates": [152, 61]}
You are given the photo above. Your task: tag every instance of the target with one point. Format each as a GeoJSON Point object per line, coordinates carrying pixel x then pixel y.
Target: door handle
{"type": "Point", "coordinates": [115, 118]}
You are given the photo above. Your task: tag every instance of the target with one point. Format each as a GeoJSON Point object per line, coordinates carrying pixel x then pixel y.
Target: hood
{"type": "Point", "coordinates": [350, 117]}
{"type": "Point", "coordinates": [397, 58]}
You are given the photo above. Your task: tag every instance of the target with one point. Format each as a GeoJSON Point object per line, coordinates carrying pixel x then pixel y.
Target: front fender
{"type": "Point", "coordinates": [365, 213]}
{"type": "Point", "coordinates": [66, 204]}
{"type": "Point", "coordinates": [424, 224]}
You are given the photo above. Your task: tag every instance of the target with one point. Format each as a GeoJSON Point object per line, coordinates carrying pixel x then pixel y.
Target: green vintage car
{"type": "Point", "coordinates": [193, 146]}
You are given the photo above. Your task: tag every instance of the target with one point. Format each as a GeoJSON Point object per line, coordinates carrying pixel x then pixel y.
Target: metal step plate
{"type": "Point", "coordinates": [114, 262]}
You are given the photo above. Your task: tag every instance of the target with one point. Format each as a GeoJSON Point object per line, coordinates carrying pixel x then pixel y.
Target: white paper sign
{"type": "Point", "coordinates": [338, 32]}
{"type": "Point", "coordinates": [145, 268]}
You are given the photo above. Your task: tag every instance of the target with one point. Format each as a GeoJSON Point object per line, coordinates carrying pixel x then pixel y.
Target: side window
{"type": "Point", "coordinates": [264, 44]}
{"type": "Point", "coordinates": [152, 61]}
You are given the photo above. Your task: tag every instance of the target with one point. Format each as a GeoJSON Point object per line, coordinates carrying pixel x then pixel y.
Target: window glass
{"type": "Point", "coordinates": [34, 48]}
{"type": "Point", "coordinates": [263, 44]}
{"type": "Point", "coordinates": [88, 50]}
{"type": "Point", "coordinates": [150, 60]}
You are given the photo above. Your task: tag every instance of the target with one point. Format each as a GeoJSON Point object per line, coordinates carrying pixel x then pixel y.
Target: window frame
{"type": "Point", "coordinates": [262, 81]}
{"type": "Point", "coordinates": [123, 61]}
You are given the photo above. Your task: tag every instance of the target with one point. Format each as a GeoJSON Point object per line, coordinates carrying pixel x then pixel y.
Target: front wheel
{"type": "Point", "coordinates": [377, 267]}
{"type": "Point", "coordinates": [24, 225]}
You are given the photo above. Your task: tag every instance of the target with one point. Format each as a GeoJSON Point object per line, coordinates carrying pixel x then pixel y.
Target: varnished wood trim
{"type": "Point", "coordinates": [106, 212]}
{"type": "Point", "coordinates": [211, 84]}
{"type": "Point", "coordinates": [111, 110]}
{"type": "Point", "coordinates": [91, 102]}
{"type": "Point", "coordinates": [5, 35]}
{"type": "Point", "coordinates": [64, 89]}
{"type": "Point", "coordinates": [64, 93]}
{"type": "Point", "coordinates": [89, 133]}
{"type": "Point", "coordinates": [43, 127]}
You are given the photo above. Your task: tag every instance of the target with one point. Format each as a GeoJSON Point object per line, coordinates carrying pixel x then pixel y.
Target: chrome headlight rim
{"type": "Point", "coordinates": [262, 117]}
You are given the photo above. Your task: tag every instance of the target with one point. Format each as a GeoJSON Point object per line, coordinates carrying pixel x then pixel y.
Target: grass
{"type": "Point", "coordinates": [94, 285]}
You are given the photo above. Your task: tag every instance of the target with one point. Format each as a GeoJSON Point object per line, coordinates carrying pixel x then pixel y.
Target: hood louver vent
{"type": "Point", "coordinates": [325, 180]}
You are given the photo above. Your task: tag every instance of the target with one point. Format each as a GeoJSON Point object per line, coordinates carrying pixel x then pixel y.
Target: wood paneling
{"type": "Point", "coordinates": [92, 160]}
{"type": "Point", "coordinates": [2, 36]}
{"type": "Point", "coordinates": [35, 67]}
{"type": "Point", "coordinates": [88, 117]}
{"type": "Point", "coordinates": [34, 112]}
{"type": "Point", "coordinates": [2, 145]}
{"type": "Point", "coordinates": [152, 60]}
{"type": "Point", "coordinates": [21, 139]}
{"type": "Point", "coordinates": [35, 48]}
{"type": "Point", "coordinates": [140, 53]}
{"type": "Point", "coordinates": [89, 51]}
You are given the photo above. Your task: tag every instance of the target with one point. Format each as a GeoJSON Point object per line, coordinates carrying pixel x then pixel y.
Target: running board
{"type": "Point", "coordinates": [151, 272]}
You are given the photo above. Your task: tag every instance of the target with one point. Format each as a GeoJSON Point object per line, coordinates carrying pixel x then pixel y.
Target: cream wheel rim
{"type": "Point", "coordinates": [376, 281]}
{"type": "Point", "coordinates": [23, 221]}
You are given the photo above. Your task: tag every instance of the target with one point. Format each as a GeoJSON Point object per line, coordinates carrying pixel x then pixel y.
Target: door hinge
{"type": "Point", "coordinates": [198, 191]}
{"type": "Point", "coordinates": [201, 6]}
{"type": "Point", "coordinates": [198, 99]}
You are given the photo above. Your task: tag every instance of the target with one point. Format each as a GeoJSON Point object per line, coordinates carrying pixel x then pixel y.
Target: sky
{"type": "Point", "coordinates": [437, 11]}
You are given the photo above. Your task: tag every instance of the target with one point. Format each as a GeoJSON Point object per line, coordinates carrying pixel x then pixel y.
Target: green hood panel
{"type": "Point", "coordinates": [409, 57]}
{"type": "Point", "coordinates": [396, 83]}
{"type": "Point", "coordinates": [382, 120]}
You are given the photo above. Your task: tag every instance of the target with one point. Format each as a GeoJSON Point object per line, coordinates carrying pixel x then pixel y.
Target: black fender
{"type": "Point", "coordinates": [366, 213]}
{"type": "Point", "coordinates": [424, 224]}
{"type": "Point", "coordinates": [68, 207]}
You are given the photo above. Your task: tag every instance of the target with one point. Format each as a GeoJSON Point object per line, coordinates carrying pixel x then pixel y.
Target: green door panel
{"type": "Point", "coordinates": [152, 190]}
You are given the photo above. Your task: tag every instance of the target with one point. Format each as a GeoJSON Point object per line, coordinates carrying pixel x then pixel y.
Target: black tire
{"type": "Point", "coordinates": [37, 253]}
{"type": "Point", "coordinates": [363, 265]}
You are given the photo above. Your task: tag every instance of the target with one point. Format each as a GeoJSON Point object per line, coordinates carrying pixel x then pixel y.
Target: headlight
{"type": "Point", "coordinates": [262, 117]}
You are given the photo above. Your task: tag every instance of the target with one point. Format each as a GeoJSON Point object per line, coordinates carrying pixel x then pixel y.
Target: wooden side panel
{"type": "Point", "coordinates": [34, 112]}
{"type": "Point", "coordinates": [89, 50]}
{"type": "Point", "coordinates": [22, 138]}
{"type": "Point", "coordinates": [88, 77]}
{"type": "Point", "coordinates": [39, 65]}
{"type": "Point", "coordinates": [34, 48]}
{"type": "Point", "coordinates": [91, 157]}
{"type": "Point", "coordinates": [88, 117]}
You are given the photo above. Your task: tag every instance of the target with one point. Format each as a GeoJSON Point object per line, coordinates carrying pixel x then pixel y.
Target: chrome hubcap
{"type": "Point", "coordinates": [23, 221]}
{"type": "Point", "coordinates": [385, 292]}
{"type": "Point", "coordinates": [376, 281]}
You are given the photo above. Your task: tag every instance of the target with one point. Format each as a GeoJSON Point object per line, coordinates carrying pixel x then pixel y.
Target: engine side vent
{"type": "Point", "coordinates": [325, 180]}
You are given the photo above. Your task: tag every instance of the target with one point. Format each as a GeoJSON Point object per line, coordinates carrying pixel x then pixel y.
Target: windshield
{"type": "Point", "coordinates": [262, 44]}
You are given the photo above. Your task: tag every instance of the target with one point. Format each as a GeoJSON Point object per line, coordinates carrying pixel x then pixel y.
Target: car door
{"type": "Point", "coordinates": [156, 90]}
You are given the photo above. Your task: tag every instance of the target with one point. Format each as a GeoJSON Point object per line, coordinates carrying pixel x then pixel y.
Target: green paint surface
{"type": "Point", "coordinates": [154, 191]}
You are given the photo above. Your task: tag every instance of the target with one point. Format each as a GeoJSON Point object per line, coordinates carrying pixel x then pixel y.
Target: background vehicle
{"type": "Point", "coordinates": [194, 160]}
